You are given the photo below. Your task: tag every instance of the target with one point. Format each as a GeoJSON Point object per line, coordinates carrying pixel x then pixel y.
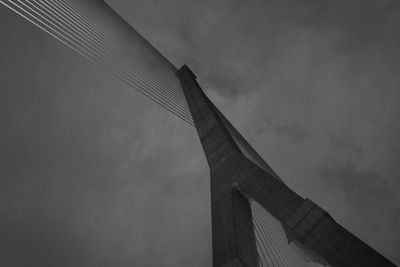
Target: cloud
{"type": "Point", "coordinates": [363, 188]}
{"type": "Point", "coordinates": [291, 131]}
{"type": "Point", "coordinates": [346, 143]}
{"type": "Point", "coordinates": [313, 84]}
{"type": "Point", "coordinates": [369, 196]}
{"type": "Point", "coordinates": [295, 132]}
{"type": "Point", "coordinates": [225, 80]}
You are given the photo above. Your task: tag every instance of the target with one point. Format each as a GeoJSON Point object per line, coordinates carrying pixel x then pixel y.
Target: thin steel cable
{"type": "Point", "coordinates": [274, 235]}
{"type": "Point", "coordinates": [119, 21]}
{"type": "Point", "coordinates": [283, 247]}
{"type": "Point", "coordinates": [123, 30]}
{"type": "Point", "coordinates": [258, 244]}
{"type": "Point", "coordinates": [292, 254]}
{"type": "Point", "coordinates": [87, 51]}
{"type": "Point", "coordinates": [264, 246]}
{"type": "Point", "coordinates": [236, 198]}
{"type": "Point", "coordinates": [267, 241]}
{"type": "Point", "coordinates": [103, 6]}
{"type": "Point", "coordinates": [279, 236]}
{"type": "Point", "coordinates": [296, 258]}
{"type": "Point", "coordinates": [274, 248]}
{"type": "Point", "coordinates": [149, 47]}
{"type": "Point", "coordinates": [42, 22]}
{"type": "Point", "coordinates": [105, 56]}
{"type": "Point", "coordinates": [129, 63]}
{"type": "Point", "coordinates": [98, 34]}
{"type": "Point", "coordinates": [260, 240]}
{"type": "Point", "coordinates": [89, 37]}
{"type": "Point", "coordinates": [31, 14]}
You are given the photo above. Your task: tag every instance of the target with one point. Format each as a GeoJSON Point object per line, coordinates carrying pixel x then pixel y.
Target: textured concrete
{"type": "Point", "coordinates": [236, 170]}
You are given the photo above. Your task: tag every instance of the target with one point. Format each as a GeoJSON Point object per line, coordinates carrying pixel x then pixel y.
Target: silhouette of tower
{"type": "Point", "coordinates": [241, 181]}
{"type": "Point", "coordinates": [239, 175]}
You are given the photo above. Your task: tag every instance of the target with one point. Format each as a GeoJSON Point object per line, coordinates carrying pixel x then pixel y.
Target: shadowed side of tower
{"type": "Point", "coordinates": [238, 174]}
{"type": "Point", "coordinates": [232, 232]}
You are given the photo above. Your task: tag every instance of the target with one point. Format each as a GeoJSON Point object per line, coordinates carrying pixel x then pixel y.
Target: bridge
{"type": "Point", "coordinates": [257, 220]}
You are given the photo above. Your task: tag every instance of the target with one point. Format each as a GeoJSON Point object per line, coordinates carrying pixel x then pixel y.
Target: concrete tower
{"type": "Point", "coordinates": [238, 174]}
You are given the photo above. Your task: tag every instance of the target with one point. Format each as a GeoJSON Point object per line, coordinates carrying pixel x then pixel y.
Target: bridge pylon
{"type": "Point", "coordinates": [238, 174]}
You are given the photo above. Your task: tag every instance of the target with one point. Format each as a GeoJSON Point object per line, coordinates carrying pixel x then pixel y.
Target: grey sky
{"type": "Point", "coordinates": [94, 174]}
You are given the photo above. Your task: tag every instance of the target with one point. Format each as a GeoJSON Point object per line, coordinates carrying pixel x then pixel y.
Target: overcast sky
{"type": "Point", "coordinates": [94, 174]}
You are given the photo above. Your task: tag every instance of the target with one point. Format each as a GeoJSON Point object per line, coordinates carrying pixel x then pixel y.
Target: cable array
{"type": "Point", "coordinates": [272, 243]}
{"type": "Point", "coordinates": [245, 234]}
{"type": "Point", "coordinates": [93, 29]}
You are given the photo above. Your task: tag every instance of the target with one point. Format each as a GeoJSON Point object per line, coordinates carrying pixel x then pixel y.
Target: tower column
{"type": "Point", "coordinates": [233, 236]}
{"type": "Point", "coordinates": [237, 173]}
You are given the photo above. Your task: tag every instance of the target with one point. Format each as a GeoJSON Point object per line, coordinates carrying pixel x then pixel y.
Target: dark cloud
{"type": "Point", "coordinates": [297, 133]}
{"type": "Point", "coordinates": [291, 131]}
{"type": "Point", "coordinates": [97, 175]}
{"type": "Point", "coordinates": [87, 176]}
{"type": "Point", "coordinates": [369, 196]}
{"type": "Point", "coordinates": [225, 81]}
{"type": "Point", "coordinates": [363, 188]}
{"type": "Point", "coordinates": [346, 143]}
